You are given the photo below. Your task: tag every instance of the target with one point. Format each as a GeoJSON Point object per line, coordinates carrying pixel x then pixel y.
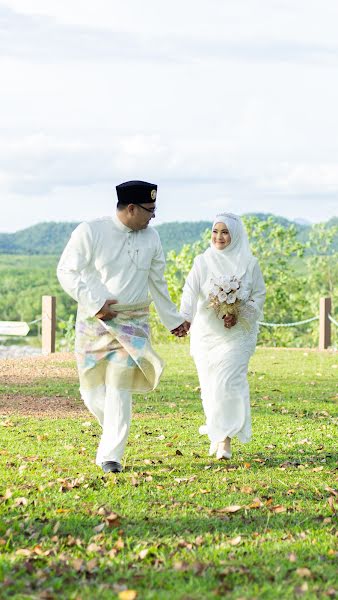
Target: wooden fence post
{"type": "Point", "coordinates": [324, 323]}
{"type": "Point", "coordinates": [48, 324]}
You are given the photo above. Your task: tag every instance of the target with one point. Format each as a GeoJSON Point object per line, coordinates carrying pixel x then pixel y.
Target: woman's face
{"type": "Point", "coordinates": [220, 236]}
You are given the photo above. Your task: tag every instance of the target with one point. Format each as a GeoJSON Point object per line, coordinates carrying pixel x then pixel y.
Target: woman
{"type": "Point", "coordinates": [222, 345]}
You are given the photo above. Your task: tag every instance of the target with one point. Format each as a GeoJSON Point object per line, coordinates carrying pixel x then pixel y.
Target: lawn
{"type": "Point", "coordinates": [175, 524]}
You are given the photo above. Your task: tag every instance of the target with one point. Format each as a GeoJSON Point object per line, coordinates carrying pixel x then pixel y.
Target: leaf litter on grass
{"type": "Point", "coordinates": [184, 509]}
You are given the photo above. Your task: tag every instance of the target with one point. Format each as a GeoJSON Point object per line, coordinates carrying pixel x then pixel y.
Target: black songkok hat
{"type": "Point", "coordinates": [136, 192]}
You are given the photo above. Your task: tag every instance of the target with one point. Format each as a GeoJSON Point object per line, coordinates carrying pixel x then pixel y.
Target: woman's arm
{"type": "Point", "coordinates": [258, 293]}
{"type": "Point", "coordinates": [190, 293]}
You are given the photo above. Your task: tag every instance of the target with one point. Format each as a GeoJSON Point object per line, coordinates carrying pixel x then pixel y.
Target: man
{"type": "Point", "coordinates": [109, 266]}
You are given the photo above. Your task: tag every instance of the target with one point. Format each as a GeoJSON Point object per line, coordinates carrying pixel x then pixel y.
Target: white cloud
{"type": "Point", "coordinates": [304, 179]}
{"type": "Point", "coordinates": [224, 104]}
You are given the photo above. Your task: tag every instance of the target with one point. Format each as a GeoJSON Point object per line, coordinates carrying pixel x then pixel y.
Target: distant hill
{"type": "Point", "coordinates": [50, 238]}
{"type": "Point", "coordinates": [43, 238]}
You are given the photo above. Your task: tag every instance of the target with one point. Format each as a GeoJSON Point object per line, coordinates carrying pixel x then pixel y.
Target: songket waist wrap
{"type": "Point", "coordinates": [118, 351]}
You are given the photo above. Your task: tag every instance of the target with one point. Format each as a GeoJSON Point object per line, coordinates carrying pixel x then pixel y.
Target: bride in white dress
{"type": "Point", "coordinates": [222, 347]}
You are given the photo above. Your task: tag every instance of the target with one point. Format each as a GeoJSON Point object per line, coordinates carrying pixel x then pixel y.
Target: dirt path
{"type": "Point", "coordinates": [48, 407]}
{"type": "Point", "coordinates": [29, 370]}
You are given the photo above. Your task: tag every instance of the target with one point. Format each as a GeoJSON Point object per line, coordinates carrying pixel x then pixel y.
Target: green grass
{"type": "Point", "coordinates": [173, 539]}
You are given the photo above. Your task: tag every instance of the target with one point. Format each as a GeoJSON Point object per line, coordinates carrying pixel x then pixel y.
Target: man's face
{"type": "Point", "coordinates": [141, 215]}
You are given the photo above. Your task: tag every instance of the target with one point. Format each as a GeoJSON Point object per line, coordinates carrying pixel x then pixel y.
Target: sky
{"type": "Point", "coordinates": [225, 104]}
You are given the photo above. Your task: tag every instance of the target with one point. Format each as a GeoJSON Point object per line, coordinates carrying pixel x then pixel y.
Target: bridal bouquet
{"type": "Point", "coordinates": [225, 296]}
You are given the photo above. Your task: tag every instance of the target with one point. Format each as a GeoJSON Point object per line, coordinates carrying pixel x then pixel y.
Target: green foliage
{"type": "Point", "coordinates": [322, 270]}
{"type": "Point", "coordinates": [23, 282]}
{"type": "Point", "coordinates": [297, 274]}
{"type": "Point", "coordinates": [276, 247]}
{"type": "Point", "coordinates": [295, 277]}
{"type": "Point", "coordinates": [175, 235]}
{"type": "Point", "coordinates": [66, 342]}
{"type": "Point", "coordinates": [177, 269]}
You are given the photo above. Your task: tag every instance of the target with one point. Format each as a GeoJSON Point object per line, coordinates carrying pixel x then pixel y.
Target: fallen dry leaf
{"type": "Point", "coordinates": [113, 519]}
{"type": "Point", "coordinates": [23, 552]}
{"type": "Point", "coordinates": [181, 565]}
{"type": "Point", "coordinates": [301, 589]}
{"type": "Point", "coordinates": [303, 572]}
{"type": "Point", "coordinates": [119, 544]}
{"type": "Point", "coordinates": [8, 494]}
{"type": "Point", "coordinates": [246, 489]}
{"type": "Point", "coordinates": [91, 564]}
{"type": "Point", "coordinates": [230, 509]}
{"type": "Point", "coordinates": [77, 564]}
{"type": "Point", "coordinates": [93, 548]}
{"type": "Point", "coordinates": [127, 595]}
{"type": "Point", "coordinates": [20, 502]}
{"type": "Point", "coordinates": [292, 557]}
{"type": "Point", "coordinates": [256, 503]}
{"type": "Point", "coordinates": [331, 504]}
{"type": "Point", "coordinates": [278, 508]}
{"type": "Point", "coordinates": [235, 541]}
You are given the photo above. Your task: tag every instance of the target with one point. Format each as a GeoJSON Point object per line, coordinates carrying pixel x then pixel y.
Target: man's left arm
{"type": "Point", "coordinates": [158, 288]}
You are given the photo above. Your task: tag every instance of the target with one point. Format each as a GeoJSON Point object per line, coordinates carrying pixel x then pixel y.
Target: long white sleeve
{"type": "Point", "coordinates": [190, 294]}
{"type": "Point", "coordinates": [166, 309]}
{"type": "Point", "coordinates": [258, 293]}
{"type": "Point", "coordinates": [76, 257]}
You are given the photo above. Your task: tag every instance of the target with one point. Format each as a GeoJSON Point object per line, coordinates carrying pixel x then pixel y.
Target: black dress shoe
{"type": "Point", "coordinates": [110, 466]}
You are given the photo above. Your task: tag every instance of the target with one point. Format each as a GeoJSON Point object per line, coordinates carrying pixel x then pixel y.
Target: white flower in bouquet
{"type": "Point", "coordinates": [222, 296]}
{"type": "Point", "coordinates": [234, 285]}
{"type": "Point", "coordinates": [227, 296]}
{"type": "Point", "coordinates": [231, 298]}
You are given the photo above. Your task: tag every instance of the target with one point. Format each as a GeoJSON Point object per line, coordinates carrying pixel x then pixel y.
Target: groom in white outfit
{"type": "Point", "coordinates": [115, 260]}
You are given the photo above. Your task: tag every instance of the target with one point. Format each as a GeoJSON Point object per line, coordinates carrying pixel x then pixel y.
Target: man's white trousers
{"type": "Point", "coordinates": [113, 409]}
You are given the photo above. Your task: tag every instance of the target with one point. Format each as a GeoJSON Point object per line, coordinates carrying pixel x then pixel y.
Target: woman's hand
{"type": "Point", "coordinates": [229, 321]}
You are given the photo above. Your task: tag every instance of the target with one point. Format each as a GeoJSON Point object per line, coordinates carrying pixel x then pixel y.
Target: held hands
{"type": "Point", "coordinates": [181, 330]}
{"type": "Point", "coordinates": [229, 321]}
{"type": "Point", "coordinates": [106, 313]}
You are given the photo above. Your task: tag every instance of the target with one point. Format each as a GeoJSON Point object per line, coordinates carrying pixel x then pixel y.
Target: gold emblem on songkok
{"type": "Point", "coordinates": [153, 194]}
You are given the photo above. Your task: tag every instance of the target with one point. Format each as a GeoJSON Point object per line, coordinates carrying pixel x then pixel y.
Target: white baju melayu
{"type": "Point", "coordinates": [222, 355]}
{"type": "Point", "coordinates": [104, 260]}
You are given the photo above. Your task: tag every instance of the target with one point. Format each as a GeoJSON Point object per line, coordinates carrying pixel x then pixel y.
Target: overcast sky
{"type": "Point", "coordinates": [226, 104]}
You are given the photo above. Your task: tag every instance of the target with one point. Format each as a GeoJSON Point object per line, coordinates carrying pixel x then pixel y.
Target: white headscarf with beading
{"type": "Point", "coordinates": [234, 258]}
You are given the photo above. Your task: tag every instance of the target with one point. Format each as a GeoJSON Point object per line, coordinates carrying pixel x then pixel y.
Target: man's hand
{"type": "Point", "coordinates": [106, 313]}
{"type": "Point", "coordinates": [181, 330]}
{"type": "Point", "coordinates": [229, 321]}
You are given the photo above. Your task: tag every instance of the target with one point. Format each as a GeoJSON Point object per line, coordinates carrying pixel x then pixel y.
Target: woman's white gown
{"type": "Point", "coordinates": [222, 355]}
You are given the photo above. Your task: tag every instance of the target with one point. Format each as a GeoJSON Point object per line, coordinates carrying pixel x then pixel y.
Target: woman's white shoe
{"type": "Point", "coordinates": [221, 452]}
{"type": "Point", "coordinates": [213, 448]}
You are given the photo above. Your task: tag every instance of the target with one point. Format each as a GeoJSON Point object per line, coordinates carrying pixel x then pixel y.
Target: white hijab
{"type": "Point", "coordinates": [234, 258]}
